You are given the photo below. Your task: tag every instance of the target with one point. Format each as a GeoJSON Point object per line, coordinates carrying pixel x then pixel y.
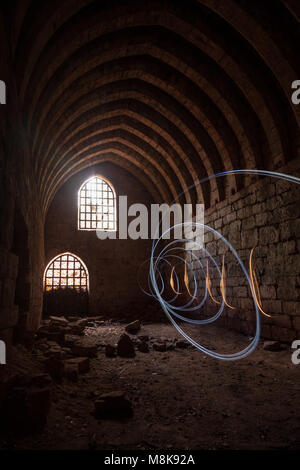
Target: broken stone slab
{"type": "Point", "coordinates": [71, 372]}
{"type": "Point", "coordinates": [42, 346]}
{"type": "Point", "coordinates": [55, 352]}
{"type": "Point", "coordinates": [162, 347]}
{"type": "Point", "coordinates": [72, 318]}
{"type": "Point", "coordinates": [61, 321]}
{"type": "Point", "coordinates": [95, 319]}
{"type": "Point", "coordinates": [125, 346]}
{"type": "Point", "coordinates": [52, 344]}
{"type": "Point", "coordinates": [57, 336]}
{"type": "Point", "coordinates": [133, 327]}
{"type": "Point", "coordinates": [69, 340]}
{"type": "Point", "coordinates": [113, 405]}
{"type": "Point", "coordinates": [143, 346]}
{"type": "Point", "coordinates": [82, 364]}
{"type": "Point", "coordinates": [110, 350]}
{"type": "Point", "coordinates": [41, 380]}
{"type": "Point", "coordinates": [55, 367]}
{"type": "Point", "coordinates": [274, 346]}
{"type": "Point", "coordinates": [83, 350]}
{"type": "Point", "coordinates": [68, 354]}
{"type": "Point", "coordinates": [76, 328]}
{"type": "Point", "coordinates": [143, 337]}
{"type": "Point", "coordinates": [181, 344]}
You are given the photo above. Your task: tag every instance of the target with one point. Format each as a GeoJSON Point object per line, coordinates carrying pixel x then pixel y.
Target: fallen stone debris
{"type": "Point", "coordinates": [113, 405]}
{"type": "Point", "coordinates": [125, 346]}
{"type": "Point", "coordinates": [133, 327]}
{"type": "Point", "coordinates": [274, 346]}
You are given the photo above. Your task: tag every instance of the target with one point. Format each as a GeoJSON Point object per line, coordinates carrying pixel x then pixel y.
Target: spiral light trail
{"type": "Point", "coordinates": [169, 255]}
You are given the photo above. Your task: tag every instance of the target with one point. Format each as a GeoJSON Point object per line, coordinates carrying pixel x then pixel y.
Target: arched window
{"type": "Point", "coordinates": [66, 271]}
{"type": "Point", "coordinates": [97, 205]}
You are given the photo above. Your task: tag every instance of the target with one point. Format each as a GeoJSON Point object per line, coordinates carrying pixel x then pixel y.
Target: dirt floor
{"type": "Point", "coordinates": [181, 398]}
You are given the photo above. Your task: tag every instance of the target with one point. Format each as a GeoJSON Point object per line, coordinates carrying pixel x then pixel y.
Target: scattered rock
{"type": "Point", "coordinates": [57, 335]}
{"type": "Point", "coordinates": [143, 337]}
{"type": "Point", "coordinates": [272, 346]}
{"type": "Point", "coordinates": [162, 347]}
{"type": "Point", "coordinates": [42, 346]}
{"type": "Point", "coordinates": [83, 350]}
{"type": "Point", "coordinates": [181, 344]}
{"type": "Point", "coordinates": [143, 346]}
{"type": "Point", "coordinates": [71, 372]}
{"type": "Point", "coordinates": [61, 321]}
{"type": "Point", "coordinates": [110, 351]}
{"type": "Point", "coordinates": [72, 318]}
{"type": "Point", "coordinates": [55, 352]}
{"type": "Point", "coordinates": [113, 405]}
{"type": "Point", "coordinates": [70, 340]}
{"type": "Point", "coordinates": [125, 346]}
{"type": "Point", "coordinates": [55, 367]}
{"type": "Point", "coordinates": [82, 364]}
{"type": "Point", "coordinates": [76, 328]}
{"type": "Point", "coordinates": [133, 327]}
{"type": "Point", "coordinates": [41, 380]}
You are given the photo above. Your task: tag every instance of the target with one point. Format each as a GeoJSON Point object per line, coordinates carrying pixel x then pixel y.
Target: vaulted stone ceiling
{"type": "Point", "coordinates": [172, 91]}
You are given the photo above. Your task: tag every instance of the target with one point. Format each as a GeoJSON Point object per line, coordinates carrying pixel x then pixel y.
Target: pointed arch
{"type": "Point", "coordinates": [97, 205]}
{"type": "Point", "coordinates": [66, 271]}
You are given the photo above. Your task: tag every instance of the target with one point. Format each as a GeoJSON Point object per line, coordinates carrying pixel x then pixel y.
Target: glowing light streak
{"type": "Point", "coordinates": [223, 285]}
{"type": "Point", "coordinates": [172, 281]}
{"type": "Point", "coordinates": [173, 311]}
{"type": "Point", "coordinates": [255, 286]}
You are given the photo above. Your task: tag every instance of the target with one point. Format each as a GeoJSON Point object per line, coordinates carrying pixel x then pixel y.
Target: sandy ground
{"type": "Point", "coordinates": [181, 399]}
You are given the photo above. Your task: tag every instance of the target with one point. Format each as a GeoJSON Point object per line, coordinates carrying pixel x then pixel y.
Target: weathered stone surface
{"type": "Point", "coordinates": [110, 350]}
{"type": "Point", "coordinates": [125, 346]}
{"type": "Point", "coordinates": [76, 328]}
{"type": "Point", "coordinates": [113, 405]}
{"type": "Point", "coordinates": [72, 372]}
{"type": "Point", "coordinates": [55, 367]}
{"type": "Point", "coordinates": [162, 347]}
{"type": "Point", "coordinates": [82, 364]}
{"type": "Point", "coordinates": [133, 327]}
{"type": "Point", "coordinates": [70, 340]}
{"type": "Point", "coordinates": [143, 337]}
{"type": "Point", "coordinates": [84, 350]}
{"type": "Point", "coordinates": [272, 346]}
{"type": "Point", "coordinates": [61, 321]}
{"type": "Point", "coordinates": [181, 344]}
{"type": "Point", "coordinates": [55, 352]}
{"type": "Point", "coordinates": [143, 346]}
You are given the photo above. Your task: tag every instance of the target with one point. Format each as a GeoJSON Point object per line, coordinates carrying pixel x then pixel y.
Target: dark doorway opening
{"type": "Point", "coordinates": [64, 301]}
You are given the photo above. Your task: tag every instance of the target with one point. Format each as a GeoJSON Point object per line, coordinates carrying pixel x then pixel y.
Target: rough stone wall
{"type": "Point", "coordinates": [264, 215]}
{"type": "Point", "coordinates": [18, 194]}
{"type": "Point", "coordinates": [112, 264]}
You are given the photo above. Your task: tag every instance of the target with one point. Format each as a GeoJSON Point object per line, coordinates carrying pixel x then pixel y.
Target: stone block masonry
{"type": "Point", "coordinates": [265, 215]}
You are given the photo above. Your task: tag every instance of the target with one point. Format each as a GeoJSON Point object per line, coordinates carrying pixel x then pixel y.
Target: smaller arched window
{"type": "Point", "coordinates": [66, 271]}
{"type": "Point", "coordinates": [97, 205]}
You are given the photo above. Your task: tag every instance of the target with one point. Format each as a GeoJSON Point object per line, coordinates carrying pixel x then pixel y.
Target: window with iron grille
{"type": "Point", "coordinates": [66, 271]}
{"type": "Point", "coordinates": [97, 205]}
